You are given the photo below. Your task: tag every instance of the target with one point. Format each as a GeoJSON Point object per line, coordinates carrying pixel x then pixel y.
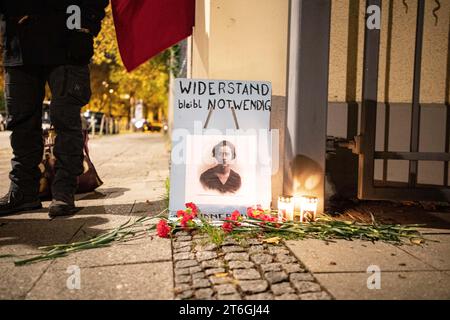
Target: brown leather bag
{"type": "Point", "coordinates": [87, 182]}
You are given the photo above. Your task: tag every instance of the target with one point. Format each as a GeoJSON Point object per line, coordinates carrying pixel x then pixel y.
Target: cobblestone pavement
{"type": "Point", "coordinates": [247, 269]}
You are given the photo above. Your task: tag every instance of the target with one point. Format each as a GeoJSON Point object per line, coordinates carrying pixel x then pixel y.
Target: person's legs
{"type": "Point", "coordinates": [24, 94]}
{"type": "Point", "coordinates": [70, 86]}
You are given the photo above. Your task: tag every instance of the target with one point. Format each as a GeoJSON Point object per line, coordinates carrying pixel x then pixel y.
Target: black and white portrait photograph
{"type": "Point", "coordinates": [222, 177]}
{"type": "Point", "coordinates": [221, 169]}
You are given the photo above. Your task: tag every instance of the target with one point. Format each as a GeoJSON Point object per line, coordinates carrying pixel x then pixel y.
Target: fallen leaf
{"type": "Point", "coordinates": [221, 275]}
{"type": "Point", "coordinates": [417, 241]}
{"type": "Point", "coordinates": [274, 240]}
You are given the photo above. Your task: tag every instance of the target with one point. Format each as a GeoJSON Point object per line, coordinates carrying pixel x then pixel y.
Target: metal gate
{"type": "Point", "coordinates": [368, 187]}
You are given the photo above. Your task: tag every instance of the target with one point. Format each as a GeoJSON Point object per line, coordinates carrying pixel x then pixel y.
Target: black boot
{"type": "Point", "coordinates": [15, 202]}
{"type": "Point", "coordinates": [62, 205]}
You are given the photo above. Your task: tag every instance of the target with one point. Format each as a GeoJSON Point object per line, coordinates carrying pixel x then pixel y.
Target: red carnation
{"type": "Point", "coordinates": [192, 206]}
{"type": "Point", "coordinates": [163, 229]}
{"type": "Point", "coordinates": [255, 213]}
{"type": "Point", "coordinates": [227, 227]}
{"type": "Point", "coordinates": [181, 213]}
{"type": "Point", "coordinates": [235, 216]}
{"type": "Point", "coordinates": [184, 221]}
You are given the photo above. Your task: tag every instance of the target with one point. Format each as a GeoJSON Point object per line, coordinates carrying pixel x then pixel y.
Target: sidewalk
{"type": "Point", "coordinates": [134, 168]}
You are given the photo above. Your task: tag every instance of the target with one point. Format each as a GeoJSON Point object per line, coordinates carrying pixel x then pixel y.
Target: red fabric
{"type": "Point", "coordinates": [145, 28]}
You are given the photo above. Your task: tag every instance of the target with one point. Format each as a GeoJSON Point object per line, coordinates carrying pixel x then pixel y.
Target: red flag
{"type": "Point", "coordinates": [145, 28]}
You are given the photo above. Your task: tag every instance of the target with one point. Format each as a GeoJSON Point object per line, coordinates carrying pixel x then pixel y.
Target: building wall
{"type": "Point", "coordinates": [248, 40]}
{"type": "Point", "coordinates": [241, 40]}
{"type": "Point", "coordinates": [395, 87]}
{"type": "Point", "coordinates": [395, 78]}
{"type": "Point", "coordinates": [244, 40]}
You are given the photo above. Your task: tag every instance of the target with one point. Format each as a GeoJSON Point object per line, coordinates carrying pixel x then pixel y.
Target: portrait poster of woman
{"type": "Point", "coordinates": [221, 170]}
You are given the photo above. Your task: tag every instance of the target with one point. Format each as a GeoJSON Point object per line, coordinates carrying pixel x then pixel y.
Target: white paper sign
{"type": "Point", "coordinates": [226, 166]}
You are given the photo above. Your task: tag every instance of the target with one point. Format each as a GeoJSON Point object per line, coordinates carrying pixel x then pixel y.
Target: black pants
{"type": "Point", "coordinates": [25, 92]}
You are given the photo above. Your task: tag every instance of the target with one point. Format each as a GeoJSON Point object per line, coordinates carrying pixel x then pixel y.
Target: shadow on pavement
{"type": "Point", "coordinates": [35, 233]}
{"type": "Point", "coordinates": [110, 193]}
{"type": "Point", "coordinates": [34, 230]}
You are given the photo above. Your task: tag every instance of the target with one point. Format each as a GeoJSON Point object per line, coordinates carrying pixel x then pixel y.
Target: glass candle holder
{"type": "Point", "coordinates": [286, 208]}
{"type": "Point", "coordinates": [308, 208]}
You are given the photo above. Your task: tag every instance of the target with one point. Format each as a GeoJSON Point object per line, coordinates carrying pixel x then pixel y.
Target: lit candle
{"type": "Point", "coordinates": [308, 208]}
{"type": "Point", "coordinates": [285, 209]}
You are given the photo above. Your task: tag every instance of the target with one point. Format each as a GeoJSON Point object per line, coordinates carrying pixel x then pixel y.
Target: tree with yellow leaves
{"type": "Point", "coordinates": [114, 88]}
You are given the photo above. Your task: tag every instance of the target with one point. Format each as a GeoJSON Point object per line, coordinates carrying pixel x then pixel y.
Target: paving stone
{"type": "Point", "coordinates": [419, 285]}
{"type": "Point", "coordinates": [435, 251]}
{"type": "Point", "coordinates": [253, 286]}
{"type": "Point", "coordinates": [278, 250]}
{"type": "Point", "coordinates": [184, 238]}
{"type": "Point", "coordinates": [306, 286]}
{"type": "Point", "coordinates": [124, 282]}
{"type": "Point", "coordinates": [198, 275]}
{"type": "Point", "coordinates": [183, 256]}
{"type": "Point", "coordinates": [315, 296]}
{"type": "Point", "coordinates": [256, 249]}
{"type": "Point", "coordinates": [214, 271]}
{"type": "Point", "coordinates": [204, 294]}
{"type": "Point", "coordinates": [228, 249]}
{"type": "Point", "coordinates": [182, 287]}
{"type": "Point", "coordinates": [229, 297]}
{"type": "Point", "coordinates": [229, 242]}
{"type": "Point", "coordinates": [15, 282]}
{"type": "Point", "coordinates": [206, 247]}
{"type": "Point", "coordinates": [293, 268]}
{"type": "Point", "coordinates": [271, 267]}
{"type": "Point", "coordinates": [276, 276]}
{"type": "Point", "coordinates": [201, 283]}
{"type": "Point", "coordinates": [282, 288]}
{"type": "Point", "coordinates": [253, 242]}
{"type": "Point", "coordinates": [287, 296]}
{"type": "Point", "coordinates": [260, 296]}
{"type": "Point", "coordinates": [185, 264]}
{"type": "Point", "coordinates": [212, 264]}
{"type": "Point", "coordinates": [206, 255]}
{"type": "Point", "coordinates": [225, 289]}
{"type": "Point", "coordinates": [240, 265]}
{"type": "Point", "coordinates": [185, 294]}
{"type": "Point", "coordinates": [262, 258]}
{"type": "Point", "coordinates": [301, 277]}
{"type": "Point", "coordinates": [246, 274]}
{"type": "Point", "coordinates": [183, 279]}
{"type": "Point", "coordinates": [199, 236]}
{"type": "Point", "coordinates": [180, 234]}
{"type": "Point", "coordinates": [220, 280]}
{"type": "Point", "coordinates": [182, 272]}
{"type": "Point", "coordinates": [183, 249]}
{"type": "Point", "coordinates": [195, 269]}
{"type": "Point", "coordinates": [285, 258]}
{"type": "Point", "coordinates": [340, 256]}
{"type": "Point", "coordinates": [132, 252]}
{"type": "Point", "coordinates": [243, 256]}
{"type": "Point", "coordinates": [179, 245]}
